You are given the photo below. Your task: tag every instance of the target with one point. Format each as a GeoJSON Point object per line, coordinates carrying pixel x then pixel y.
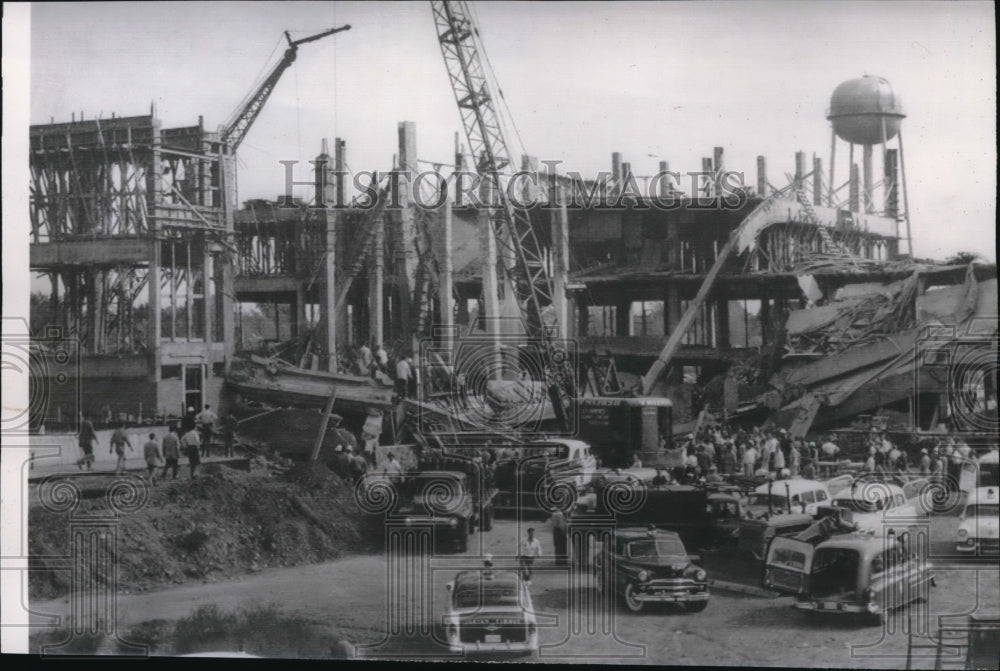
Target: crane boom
{"type": "Point", "coordinates": [512, 226]}
{"type": "Point", "coordinates": [239, 124]}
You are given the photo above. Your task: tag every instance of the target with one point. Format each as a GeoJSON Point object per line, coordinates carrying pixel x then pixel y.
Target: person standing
{"type": "Point", "coordinates": [795, 458]}
{"type": "Point", "coordinates": [228, 428]}
{"type": "Point", "coordinates": [749, 461]}
{"type": "Point", "coordinates": [558, 521]}
{"type": "Point", "coordinates": [925, 462]}
{"type": "Point", "coordinates": [189, 421]}
{"type": "Point", "coordinates": [86, 440]}
{"type": "Point", "coordinates": [171, 452]}
{"type": "Point", "coordinates": [365, 359]}
{"type": "Point", "coordinates": [119, 439]}
{"type": "Point", "coordinates": [191, 442]}
{"type": "Point", "coordinates": [531, 550]}
{"type": "Point", "coordinates": [403, 373]}
{"type": "Point", "coordinates": [151, 453]}
{"type": "Point", "coordinates": [779, 460]}
{"type": "Point", "coordinates": [207, 419]}
{"type": "Point", "coordinates": [382, 359]}
{"type": "Point", "coordinates": [392, 469]}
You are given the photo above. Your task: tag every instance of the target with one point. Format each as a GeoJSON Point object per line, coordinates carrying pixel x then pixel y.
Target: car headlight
{"type": "Point", "coordinates": [700, 575]}
{"type": "Point", "coordinates": [643, 576]}
{"type": "Point", "coordinates": [453, 523]}
{"type": "Point", "coordinates": [962, 533]}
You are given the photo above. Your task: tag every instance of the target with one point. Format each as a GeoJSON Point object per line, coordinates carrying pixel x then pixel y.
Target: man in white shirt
{"type": "Point", "coordinates": [530, 550]}
{"type": "Point", "coordinates": [392, 469]}
{"type": "Point", "coordinates": [749, 460]}
{"type": "Point", "coordinates": [403, 375]}
{"type": "Point", "coordinates": [207, 419]}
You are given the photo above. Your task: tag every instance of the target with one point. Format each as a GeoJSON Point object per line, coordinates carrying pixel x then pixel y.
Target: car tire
{"type": "Point", "coordinates": [695, 606]}
{"type": "Point", "coordinates": [630, 602]}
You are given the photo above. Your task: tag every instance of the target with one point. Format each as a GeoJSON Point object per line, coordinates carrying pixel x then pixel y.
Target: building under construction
{"type": "Point", "coordinates": [792, 301]}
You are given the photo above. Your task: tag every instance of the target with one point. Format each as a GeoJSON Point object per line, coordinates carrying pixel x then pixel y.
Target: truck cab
{"type": "Point", "coordinates": [447, 502]}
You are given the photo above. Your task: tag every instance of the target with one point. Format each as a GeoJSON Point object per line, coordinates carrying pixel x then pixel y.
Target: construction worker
{"type": "Point", "coordinates": [191, 443]}
{"type": "Point", "coordinates": [151, 453]}
{"type": "Point", "coordinates": [171, 451]}
{"type": "Point", "coordinates": [86, 440]}
{"type": "Point", "coordinates": [119, 439]}
{"type": "Point", "coordinates": [207, 419]}
{"type": "Point", "coordinates": [228, 426]}
{"type": "Point", "coordinates": [404, 374]}
{"type": "Point", "coordinates": [558, 521]}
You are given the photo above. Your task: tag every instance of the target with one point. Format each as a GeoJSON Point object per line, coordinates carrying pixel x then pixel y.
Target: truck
{"type": "Point", "coordinates": [452, 494]}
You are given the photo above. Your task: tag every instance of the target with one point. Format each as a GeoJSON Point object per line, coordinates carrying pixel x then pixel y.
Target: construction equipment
{"type": "Point", "coordinates": [236, 129]}
{"type": "Point", "coordinates": [515, 235]}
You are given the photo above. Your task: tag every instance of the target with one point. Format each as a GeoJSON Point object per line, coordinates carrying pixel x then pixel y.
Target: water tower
{"type": "Point", "coordinates": [866, 111]}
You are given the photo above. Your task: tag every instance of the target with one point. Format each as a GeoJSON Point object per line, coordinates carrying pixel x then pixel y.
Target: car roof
{"type": "Point", "coordinates": [634, 533]}
{"type": "Point", "coordinates": [880, 490]}
{"type": "Point", "coordinates": [984, 495]}
{"type": "Point", "coordinates": [428, 475]}
{"type": "Point", "coordinates": [500, 579]}
{"type": "Point", "coordinates": [866, 544]}
{"type": "Point", "coordinates": [795, 485]}
{"type": "Point", "coordinates": [568, 442]}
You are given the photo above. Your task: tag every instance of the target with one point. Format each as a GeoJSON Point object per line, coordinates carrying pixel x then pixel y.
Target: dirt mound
{"type": "Point", "coordinates": [224, 523]}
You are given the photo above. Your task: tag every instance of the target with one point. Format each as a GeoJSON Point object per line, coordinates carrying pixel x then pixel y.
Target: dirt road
{"type": "Point", "coordinates": [351, 595]}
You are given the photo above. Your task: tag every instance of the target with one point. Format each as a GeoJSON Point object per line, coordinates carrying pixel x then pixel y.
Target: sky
{"type": "Point", "coordinates": [654, 81]}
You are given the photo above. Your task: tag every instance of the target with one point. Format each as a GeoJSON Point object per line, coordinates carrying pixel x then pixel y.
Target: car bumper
{"type": "Point", "coordinates": [667, 595]}
{"type": "Point", "coordinates": [495, 648]}
{"type": "Point", "coordinates": [833, 607]}
{"type": "Point", "coordinates": [983, 545]}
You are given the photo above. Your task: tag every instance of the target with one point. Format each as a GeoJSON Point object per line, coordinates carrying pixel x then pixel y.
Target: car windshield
{"type": "Point", "coordinates": [983, 510]}
{"type": "Point", "coordinates": [858, 506]}
{"type": "Point", "coordinates": [476, 597]}
{"type": "Point", "coordinates": [762, 500]}
{"type": "Point", "coordinates": [788, 557]}
{"type": "Point", "coordinates": [652, 549]}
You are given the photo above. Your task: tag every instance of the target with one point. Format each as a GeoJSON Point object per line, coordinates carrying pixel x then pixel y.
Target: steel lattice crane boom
{"type": "Point", "coordinates": [239, 124]}
{"type": "Point", "coordinates": [512, 226]}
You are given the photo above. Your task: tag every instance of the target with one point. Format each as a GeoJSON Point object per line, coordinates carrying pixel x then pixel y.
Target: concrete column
{"type": "Point", "coordinates": [488, 251]}
{"type": "Point", "coordinates": [406, 267]}
{"type": "Point", "coordinates": [299, 310]}
{"type": "Point", "coordinates": [718, 166]}
{"type": "Point", "coordinates": [560, 260]}
{"type": "Point", "coordinates": [582, 314]}
{"type": "Point", "coordinates": [445, 287]}
{"type": "Point", "coordinates": [321, 175]}
{"type": "Point", "coordinates": [817, 180]}
{"type": "Point", "coordinates": [339, 164]}
{"type": "Point", "coordinates": [376, 285]}
{"type": "Point", "coordinates": [722, 322]}
{"type": "Point", "coordinates": [866, 163]}
{"type": "Point", "coordinates": [328, 295]}
{"type": "Point", "coordinates": [762, 176]}
{"type": "Point", "coordinates": [616, 169]}
{"type": "Point", "coordinates": [664, 184]}
{"type": "Point", "coordinates": [800, 165]}
{"type": "Point", "coordinates": [623, 317]}
{"type": "Point", "coordinates": [705, 182]}
{"type": "Point", "coordinates": [891, 183]}
{"type": "Point", "coordinates": [854, 197]}
{"type": "Point", "coordinates": [153, 289]}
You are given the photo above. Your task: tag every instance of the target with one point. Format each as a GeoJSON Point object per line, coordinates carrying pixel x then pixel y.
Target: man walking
{"type": "Point", "coordinates": [171, 451]}
{"type": "Point", "coordinates": [207, 419]}
{"type": "Point", "coordinates": [531, 549]}
{"type": "Point", "coordinates": [86, 442]}
{"type": "Point", "coordinates": [119, 439]}
{"type": "Point", "coordinates": [191, 442]}
{"type": "Point", "coordinates": [151, 453]}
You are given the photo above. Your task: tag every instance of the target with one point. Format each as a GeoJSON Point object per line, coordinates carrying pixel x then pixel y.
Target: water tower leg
{"type": "Point", "coordinates": [867, 167]}
{"type": "Point", "coordinates": [906, 201]}
{"type": "Point", "coordinates": [833, 173]}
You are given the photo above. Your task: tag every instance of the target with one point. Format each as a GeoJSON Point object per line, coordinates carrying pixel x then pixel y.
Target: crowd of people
{"type": "Point", "coordinates": [720, 450]}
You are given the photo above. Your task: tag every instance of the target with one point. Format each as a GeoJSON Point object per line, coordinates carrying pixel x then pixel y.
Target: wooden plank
{"type": "Point", "coordinates": [322, 427]}
{"type": "Point", "coordinates": [107, 251]}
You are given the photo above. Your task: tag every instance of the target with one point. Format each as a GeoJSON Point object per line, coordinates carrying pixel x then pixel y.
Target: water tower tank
{"type": "Point", "coordinates": [859, 106]}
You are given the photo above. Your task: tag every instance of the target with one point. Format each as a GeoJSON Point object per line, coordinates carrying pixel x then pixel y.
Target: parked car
{"type": "Point", "coordinates": [650, 565]}
{"type": "Point", "coordinates": [857, 573]}
{"type": "Point", "coordinates": [978, 526]}
{"type": "Point", "coordinates": [755, 535]}
{"type": "Point", "coordinates": [796, 495]}
{"type": "Point", "coordinates": [877, 507]}
{"type": "Point", "coordinates": [490, 612]}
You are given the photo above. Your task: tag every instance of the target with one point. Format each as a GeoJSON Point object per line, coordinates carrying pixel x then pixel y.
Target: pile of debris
{"type": "Point", "coordinates": [224, 523]}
